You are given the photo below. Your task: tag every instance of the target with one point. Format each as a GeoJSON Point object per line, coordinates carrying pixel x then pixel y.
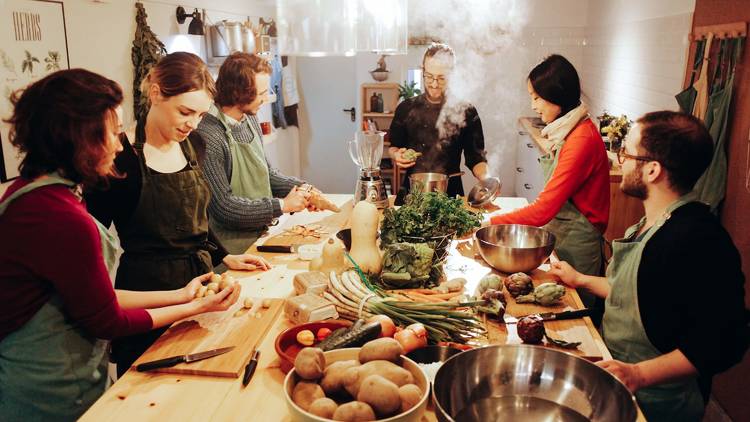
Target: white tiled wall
{"type": "Point", "coordinates": [635, 67]}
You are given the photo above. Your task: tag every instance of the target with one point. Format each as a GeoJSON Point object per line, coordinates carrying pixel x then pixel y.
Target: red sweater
{"type": "Point", "coordinates": [582, 174]}
{"type": "Point", "coordinates": [51, 244]}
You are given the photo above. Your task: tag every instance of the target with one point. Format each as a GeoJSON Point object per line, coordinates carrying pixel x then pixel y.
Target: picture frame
{"type": "Point", "coordinates": [33, 43]}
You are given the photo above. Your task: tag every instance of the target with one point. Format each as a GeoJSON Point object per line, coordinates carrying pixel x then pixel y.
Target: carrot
{"type": "Point", "coordinates": [445, 296]}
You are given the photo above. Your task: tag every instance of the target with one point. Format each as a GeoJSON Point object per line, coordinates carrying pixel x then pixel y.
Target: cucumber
{"type": "Point", "coordinates": [356, 336]}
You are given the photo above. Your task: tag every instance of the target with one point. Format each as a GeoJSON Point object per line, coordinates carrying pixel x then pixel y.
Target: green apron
{"type": "Point", "coordinates": [250, 179]}
{"type": "Point", "coordinates": [51, 369]}
{"type": "Point", "coordinates": [625, 337]}
{"type": "Point", "coordinates": [577, 240]}
{"type": "Point", "coordinates": [686, 98]}
{"type": "Point", "coordinates": [165, 242]}
{"type": "Point", "coordinates": [711, 187]}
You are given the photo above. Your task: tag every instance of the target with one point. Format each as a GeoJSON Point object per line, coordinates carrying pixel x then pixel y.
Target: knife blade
{"type": "Point", "coordinates": [174, 360]}
{"type": "Point", "coordinates": [554, 316]}
{"type": "Point", "coordinates": [278, 248]}
{"type": "Point", "coordinates": [250, 368]}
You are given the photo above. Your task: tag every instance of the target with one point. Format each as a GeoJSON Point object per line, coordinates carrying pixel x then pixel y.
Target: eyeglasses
{"type": "Point", "coordinates": [430, 78]}
{"type": "Point", "coordinates": [622, 155]}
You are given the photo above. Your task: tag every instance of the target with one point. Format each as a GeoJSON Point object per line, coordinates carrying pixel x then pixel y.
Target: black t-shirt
{"type": "Point", "coordinates": [691, 292]}
{"type": "Point", "coordinates": [415, 126]}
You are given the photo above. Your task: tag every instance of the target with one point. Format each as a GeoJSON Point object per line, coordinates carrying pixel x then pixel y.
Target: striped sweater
{"type": "Point", "coordinates": [229, 210]}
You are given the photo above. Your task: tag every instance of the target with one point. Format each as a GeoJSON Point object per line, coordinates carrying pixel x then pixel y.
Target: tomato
{"type": "Point", "coordinates": [306, 338]}
{"type": "Point", "coordinates": [323, 333]}
{"type": "Point", "coordinates": [387, 327]}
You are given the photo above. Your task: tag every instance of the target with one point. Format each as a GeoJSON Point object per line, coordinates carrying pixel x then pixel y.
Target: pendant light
{"type": "Point", "coordinates": [316, 28]}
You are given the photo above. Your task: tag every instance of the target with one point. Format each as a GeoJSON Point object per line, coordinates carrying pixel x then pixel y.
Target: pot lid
{"type": "Point", "coordinates": [484, 192]}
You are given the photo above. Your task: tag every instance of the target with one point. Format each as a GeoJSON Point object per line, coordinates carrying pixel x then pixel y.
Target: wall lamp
{"type": "Point", "coordinates": [196, 25]}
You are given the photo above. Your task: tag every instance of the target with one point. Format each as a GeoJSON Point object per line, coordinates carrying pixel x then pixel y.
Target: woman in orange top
{"type": "Point", "coordinates": [574, 204]}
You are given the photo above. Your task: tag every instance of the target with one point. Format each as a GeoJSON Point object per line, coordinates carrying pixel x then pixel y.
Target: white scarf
{"type": "Point", "coordinates": [557, 131]}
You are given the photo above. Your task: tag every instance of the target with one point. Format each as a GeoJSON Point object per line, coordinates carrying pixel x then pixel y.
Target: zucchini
{"type": "Point", "coordinates": [336, 333]}
{"type": "Point", "coordinates": [356, 336]}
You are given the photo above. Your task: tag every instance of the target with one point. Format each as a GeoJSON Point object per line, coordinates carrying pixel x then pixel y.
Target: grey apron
{"type": "Point", "coordinates": [250, 179]}
{"type": "Point", "coordinates": [165, 242]}
{"type": "Point", "coordinates": [51, 369]}
{"type": "Point", "coordinates": [625, 336]}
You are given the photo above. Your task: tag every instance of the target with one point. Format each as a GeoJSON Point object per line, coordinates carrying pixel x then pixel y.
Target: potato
{"type": "Point", "coordinates": [248, 303]}
{"type": "Point", "coordinates": [201, 291]}
{"type": "Point", "coordinates": [310, 363]}
{"type": "Point", "coordinates": [354, 411]}
{"type": "Point", "coordinates": [410, 395]}
{"type": "Point", "coordinates": [214, 287]}
{"type": "Point", "coordinates": [210, 292]}
{"type": "Point", "coordinates": [332, 382]}
{"type": "Point", "coordinates": [353, 377]}
{"type": "Point", "coordinates": [215, 278]}
{"type": "Point", "coordinates": [381, 394]}
{"type": "Point", "coordinates": [384, 348]}
{"type": "Point", "coordinates": [323, 407]}
{"type": "Point", "coordinates": [266, 303]}
{"type": "Point", "coordinates": [306, 392]}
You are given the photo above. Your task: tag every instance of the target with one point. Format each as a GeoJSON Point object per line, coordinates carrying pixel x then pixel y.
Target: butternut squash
{"type": "Point", "coordinates": [332, 258]}
{"type": "Point", "coordinates": [364, 250]}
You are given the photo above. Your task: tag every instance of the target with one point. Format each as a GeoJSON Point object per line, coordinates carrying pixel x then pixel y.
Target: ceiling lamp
{"type": "Point", "coordinates": [196, 25]}
{"type": "Point", "coordinates": [317, 28]}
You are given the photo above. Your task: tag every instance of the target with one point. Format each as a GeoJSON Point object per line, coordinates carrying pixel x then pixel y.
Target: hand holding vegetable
{"type": "Point", "coordinates": [295, 200]}
{"type": "Point", "coordinates": [220, 301]}
{"type": "Point", "coordinates": [401, 161]}
{"type": "Point", "coordinates": [566, 273]}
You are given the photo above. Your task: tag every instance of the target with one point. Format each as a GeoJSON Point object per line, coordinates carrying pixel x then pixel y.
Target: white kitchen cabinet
{"type": "Point", "coordinates": [529, 175]}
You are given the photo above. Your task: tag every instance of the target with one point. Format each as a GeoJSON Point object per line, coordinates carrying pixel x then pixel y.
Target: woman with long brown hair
{"type": "Point", "coordinates": [160, 207]}
{"type": "Point", "coordinates": [56, 293]}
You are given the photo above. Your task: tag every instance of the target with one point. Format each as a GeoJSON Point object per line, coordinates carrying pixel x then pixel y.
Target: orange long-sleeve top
{"type": "Point", "coordinates": [581, 175]}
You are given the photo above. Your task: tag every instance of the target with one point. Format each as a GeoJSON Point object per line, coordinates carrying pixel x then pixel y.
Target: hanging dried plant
{"type": "Point", "coordinates": [146, 52]}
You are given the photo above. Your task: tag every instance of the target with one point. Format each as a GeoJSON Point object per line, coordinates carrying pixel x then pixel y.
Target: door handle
{"type": "Point", "coordinates": [352, 112]}
{"type": "Point", "coordinates": [527, 186]}
{"type": "Point", "coordinates": [529, 145]}
{"type": "Point", "coordinates": [519, 169]}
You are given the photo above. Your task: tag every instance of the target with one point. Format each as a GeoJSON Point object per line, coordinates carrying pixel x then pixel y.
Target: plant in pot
{"type": "Point", "coordinates": [616, 131]}
{"type": "Point", "coordinates": [408, 90]}
{"type": "Point", "coordinates": [381, 72]}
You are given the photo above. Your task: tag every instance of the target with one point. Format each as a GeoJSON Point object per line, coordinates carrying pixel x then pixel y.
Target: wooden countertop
{"type": "Point", "coordinates": [544, 145]}
{"type": "Point", "coordinates": [159, 397]}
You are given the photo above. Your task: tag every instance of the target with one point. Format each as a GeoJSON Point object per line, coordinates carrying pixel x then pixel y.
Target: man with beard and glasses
{"type": "Point", "coordinates": [674, 312]}
{"type": "Point", "coordinates": [417, 125]}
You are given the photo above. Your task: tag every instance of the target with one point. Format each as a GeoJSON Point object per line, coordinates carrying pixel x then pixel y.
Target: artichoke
{"type": "Point", "coordinates": [490, 281]}
{"type": "Point", "coordinates": [545, 294]}
{"type": "Point", "coordinates": [411, 155]}
{"type": "Point", "coordinates": [519, 284]}
{"type": "Point", "coordinates": [491, 294]}
{"type": "Point", "coordinates": [493, 307]}
{"type": "Point", "coordinates": [531, 329]}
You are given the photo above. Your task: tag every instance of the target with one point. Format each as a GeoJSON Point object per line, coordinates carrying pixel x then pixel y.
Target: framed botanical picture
{"type": "Point", "coordinates": [33, 43]}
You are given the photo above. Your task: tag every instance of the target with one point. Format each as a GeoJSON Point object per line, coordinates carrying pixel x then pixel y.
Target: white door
{"type": "Point", "coordinates": [327, 86]}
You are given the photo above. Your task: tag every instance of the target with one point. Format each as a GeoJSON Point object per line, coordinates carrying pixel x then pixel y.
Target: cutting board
{"type": "Point", "coordinates": [331, 224]}
{"type": "Point", "coordinates": [463, 262]}
{"type": "Point", "coordinates": [214, 330]}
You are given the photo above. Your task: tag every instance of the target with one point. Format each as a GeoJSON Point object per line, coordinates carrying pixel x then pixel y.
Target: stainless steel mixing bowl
{"type": "Point", "coordinates": [528, 383]}
{"type": "Point", "coordinates": [511, 248]}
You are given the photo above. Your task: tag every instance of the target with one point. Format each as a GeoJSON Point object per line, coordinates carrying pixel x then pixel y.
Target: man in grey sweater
{"type": "Point", "coordinates": [246, 190]}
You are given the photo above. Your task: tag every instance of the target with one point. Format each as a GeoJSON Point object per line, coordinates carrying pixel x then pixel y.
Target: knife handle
{"type": "Point", "coordinates": [274, 248]}
{"type": "Point", "coordinates": [161, 363]}
{"type": "Point", "coordinates": [580, 313]}
{"type": "Point", "coordinates": [249, 370]}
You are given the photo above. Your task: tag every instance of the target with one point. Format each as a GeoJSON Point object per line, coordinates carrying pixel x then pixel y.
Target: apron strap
{"type": "Point", "coordinates": [49, 179]}
{"type": "Point", "coordinates": [140, 140]}
{"type": "Point", "coordinates": [697, 60]}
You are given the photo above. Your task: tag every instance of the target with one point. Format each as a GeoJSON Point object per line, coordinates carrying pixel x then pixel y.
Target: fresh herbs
{"type": "Point", "coordinates": [427, 214]}
{"type": "Point", "coordinates": [146, 52]}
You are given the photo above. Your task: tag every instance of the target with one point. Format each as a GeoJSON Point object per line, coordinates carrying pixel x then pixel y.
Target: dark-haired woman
{"type": "Point", "coordinates": [56, 294]}
{"type": "Point", "coordinates": [160, 207]}
{"type": "Point", "coordinates": [574, 204]}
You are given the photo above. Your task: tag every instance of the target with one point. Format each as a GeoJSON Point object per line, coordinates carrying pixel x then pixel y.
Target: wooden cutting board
{"type": "Point", "coordinates": [464, 263]}
{"type": "Point", "coordinates": [329, 224]}
{"type": "Point", "coordinates": [212, 331]}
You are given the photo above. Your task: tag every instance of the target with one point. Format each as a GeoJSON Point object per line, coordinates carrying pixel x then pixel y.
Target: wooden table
{"type": "Point", "coordinates": [161, 397]}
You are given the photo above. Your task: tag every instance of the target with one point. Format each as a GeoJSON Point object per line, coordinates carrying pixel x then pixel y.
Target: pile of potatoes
{"type": "Point", "coordinates": [373, 387]}
{"type": "Point", "coordinates": [215, 285]}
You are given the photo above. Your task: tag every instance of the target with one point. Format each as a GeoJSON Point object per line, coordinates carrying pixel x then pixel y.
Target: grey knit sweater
{"type": "Point", "coordinates": [227, 209]}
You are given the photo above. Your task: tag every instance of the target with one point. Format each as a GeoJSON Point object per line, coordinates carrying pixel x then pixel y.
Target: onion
{"type": "Point", "coordinates": [408, 340]}
{"type": "Point", "coordinates": [418, 329]}
{"type": "Point", "coordinates": [387, 327]}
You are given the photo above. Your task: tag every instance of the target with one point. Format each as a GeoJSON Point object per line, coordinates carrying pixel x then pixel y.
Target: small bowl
{"type": "Point", "coordinates": [412, 415]}
{"type": "Point", "coordinates": [379, 75]}
{"type": "Point", "coordinates": [286, 343]}
{"type": "Point", "coordinates": [431, 354]}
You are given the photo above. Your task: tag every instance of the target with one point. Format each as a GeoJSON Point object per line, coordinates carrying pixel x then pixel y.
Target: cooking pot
{"type": "Point", "coordinates": [431, 182]}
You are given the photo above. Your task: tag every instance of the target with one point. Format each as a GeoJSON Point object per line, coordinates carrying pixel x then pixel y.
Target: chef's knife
{"type": "Point", "coordinates": [278, 248]}
{"type": "Point", "coordinates": [174, 360]}
{"type": "Point", "coordinates": [250, 368]}
{"type": "Point", "coordinates": [554, 316]}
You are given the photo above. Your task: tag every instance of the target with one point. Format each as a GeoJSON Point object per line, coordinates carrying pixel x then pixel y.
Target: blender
{"type": "Point", "coordinates": [366, 150]}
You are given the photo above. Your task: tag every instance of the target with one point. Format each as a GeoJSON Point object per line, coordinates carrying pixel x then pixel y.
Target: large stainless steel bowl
{"type": "Point", "coordinates": [528, 383]}
{"type": "Point", "coordinates": [511, 248]}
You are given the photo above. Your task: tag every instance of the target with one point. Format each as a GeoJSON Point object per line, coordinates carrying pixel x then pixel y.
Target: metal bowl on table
{"type": "Point", "coordinates": [529, 383]}
{"type": "Point", "coordinates": [512, 248]}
